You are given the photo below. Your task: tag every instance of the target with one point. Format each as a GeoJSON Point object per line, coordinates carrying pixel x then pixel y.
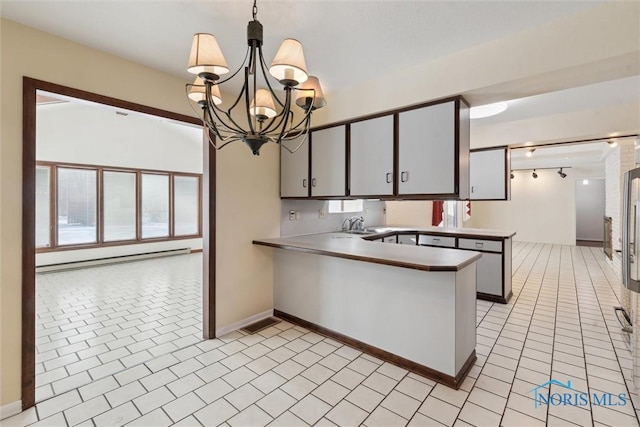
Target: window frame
{"type": "Point", "coordinates": [100, 243]}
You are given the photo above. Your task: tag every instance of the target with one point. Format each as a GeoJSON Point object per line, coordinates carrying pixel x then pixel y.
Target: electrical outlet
{"type": "Point", "coordinates": [298, 216]}
{"type": "Point", "coordinates": [292, 215]}
{"type": "Point", "coordinates": [322, 214]}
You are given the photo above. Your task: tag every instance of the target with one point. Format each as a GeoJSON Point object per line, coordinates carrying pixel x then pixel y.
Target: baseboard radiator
{"type": "Point", "coordinates": [110, 260]}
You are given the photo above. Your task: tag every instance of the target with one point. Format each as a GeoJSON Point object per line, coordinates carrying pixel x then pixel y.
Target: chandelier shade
{"type": "Point", "coordinates": [257, 115]}
{"type": "Point", "coordinates": [206, 56]}
{"type": "Point", "coordinates": [310, 94]}
{"type": "Point", "coordinates": [262, 105]}
{"type": "Point", "coordinates": [198, 92]}
{"type": "Point", "coordinates": [288, 67]}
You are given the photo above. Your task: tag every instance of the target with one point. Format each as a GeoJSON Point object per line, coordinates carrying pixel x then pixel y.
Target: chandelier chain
{"type": "Point", "coordinates": [255, 10]}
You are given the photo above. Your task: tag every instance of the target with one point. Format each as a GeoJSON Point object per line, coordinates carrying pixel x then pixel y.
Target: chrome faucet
{"type": "Point", "coordinates": [355, 223]}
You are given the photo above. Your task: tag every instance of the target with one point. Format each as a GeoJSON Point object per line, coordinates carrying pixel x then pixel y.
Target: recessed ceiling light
{"type": "Point", "coordinates": [487, 110]}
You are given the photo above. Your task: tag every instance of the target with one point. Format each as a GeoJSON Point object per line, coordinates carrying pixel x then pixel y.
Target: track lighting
{"type": "Point", "coordinates": [530, 152]}
{"type": "Point", "coordinates": [613, 143]}
{"type": "Point", "coordinates": [534, 172]}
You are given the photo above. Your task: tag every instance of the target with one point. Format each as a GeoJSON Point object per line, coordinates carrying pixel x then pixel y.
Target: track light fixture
{"type": "Point", "coordinates": [534, 172]}
{"type": "Point", "coordinates": [612, 143]}
{"type": "Point", "coordinates": [530, 152]}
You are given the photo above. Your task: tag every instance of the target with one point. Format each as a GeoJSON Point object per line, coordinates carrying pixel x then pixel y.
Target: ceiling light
{"type": "Point", "coordinates": [530, 152]}
{"type": "Point", "coordinates": [534, 174]}
{"type": "Point", "coordinates": [257, 115]}
{"type": "Point", "coordinates": [562, 174]}
{"type": "Point", "coordinates": [613, 143]}
{"type": "Point", "coordinates": [487, 110]}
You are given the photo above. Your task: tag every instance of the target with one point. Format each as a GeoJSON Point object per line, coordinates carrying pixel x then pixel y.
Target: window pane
{"type": "Point", "coordinates": [119, 192]}
{"type": "Point", "coordinates": [155, 205]}
{"type": "Point", "coordinates": [43, 211]}
{"type": "Point", "coordinates": [186, 201]}
{"type": "Point", "coordinates": [76, 206]}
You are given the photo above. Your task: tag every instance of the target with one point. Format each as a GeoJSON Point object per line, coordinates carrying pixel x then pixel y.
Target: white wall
{"type": "Point", "coordinates": [540, 210]}
{"type": "Point", "coordinates": [86, 133]}
{"type": "Point", "coordinates": [310, 221]}
{"type": "Point", "coordinates": [82, 132]}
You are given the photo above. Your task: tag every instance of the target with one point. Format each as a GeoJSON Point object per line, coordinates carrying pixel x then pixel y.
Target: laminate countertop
{"type": "Point", "coordinates": [471, 233]}
{"type": "Point", "coordinates": [356, 247]}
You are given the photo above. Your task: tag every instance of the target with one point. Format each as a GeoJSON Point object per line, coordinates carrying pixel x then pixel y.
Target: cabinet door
{"type": "Point", "coordinates": [407, 239]}
{"type": "Point", "coordinates": [488, 171]}
{"type": "Point", "coordinates": [294, 169]}
{"type": "Point", "coordinates": [390, 239]}
{"type": "Point", "coordinates": [328, 162]}
{"type": "Point", "coordinates": [489, 274]}
{"type": "Point", "coordinates": [427, 150]}
{"type": "Point", "coordinates": [371, 158]}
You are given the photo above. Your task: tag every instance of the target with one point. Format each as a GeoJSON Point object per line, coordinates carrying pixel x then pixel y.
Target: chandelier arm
{"type": "Point", "coordinates": [212, 125]}
{"type": "Point", "coordinates": [215, 109]}
{"type": "Point", "coordinates": [246, 55]}
{"type": "Point", "coordinates": [246, 99]}
{"type": "Point", "coordinates": [266, 79]}
{"type": "Point", "coordinates": [307, 114]}
{"type": "Point", "coordinates": [286, 116]}
{"type": "Point", "coordinates": [229, 142]}
{"type": "Point", "coordinates": [306, 136]}
{"type": "Point", "coordinates": [274, 123]}
{"type": "Point", "coordinates": [186, 89]}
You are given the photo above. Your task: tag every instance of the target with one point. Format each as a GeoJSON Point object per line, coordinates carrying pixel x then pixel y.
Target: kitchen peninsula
{"type": "Point", "coordinates": [410, 305]}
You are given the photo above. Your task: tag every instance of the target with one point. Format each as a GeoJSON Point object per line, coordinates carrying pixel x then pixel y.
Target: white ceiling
{"type": "Point", "coordinates": [344, 41]}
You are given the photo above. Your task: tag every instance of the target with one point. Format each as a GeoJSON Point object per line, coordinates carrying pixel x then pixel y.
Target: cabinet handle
{"type": "Point", "coordinates": [472, 188]}
{"type": "Point", "coordinates": [435, 240]}
{"type": "Point", "coordinates": [389, 178]}
{"type": "Point", "coordinates": [404, 176]}
{"type": "Point", "coordinates": [313, 182]}
{"type": "Point", "coordinates": [479, 244]}
{"type": "Point", "coordinates": [304, 183]}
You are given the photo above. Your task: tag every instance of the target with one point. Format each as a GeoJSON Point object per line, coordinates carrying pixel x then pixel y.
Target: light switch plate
{"type": "Point", "coordinates": [322, 214]}
{"type": "Point", "coordinates": [292, 215]}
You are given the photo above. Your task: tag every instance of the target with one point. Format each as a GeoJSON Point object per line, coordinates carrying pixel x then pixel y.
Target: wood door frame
{"type": "Point", "coordinates": [29, 88]}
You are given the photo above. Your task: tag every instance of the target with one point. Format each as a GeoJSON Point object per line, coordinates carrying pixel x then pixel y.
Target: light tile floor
{"type": "Point", "coordinates": [559, 324]}
{"type": "Point", "coordinates": [94, 322]}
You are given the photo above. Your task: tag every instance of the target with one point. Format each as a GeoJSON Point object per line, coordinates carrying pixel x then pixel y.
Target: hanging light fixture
{"type": "Point", "coordinates": [261, 116]}
{"type": "Point", "coordinates": [562, 174]}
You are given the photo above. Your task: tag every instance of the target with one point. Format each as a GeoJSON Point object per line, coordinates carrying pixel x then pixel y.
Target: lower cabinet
{"type": "Point", "coordinates": [493, 281]}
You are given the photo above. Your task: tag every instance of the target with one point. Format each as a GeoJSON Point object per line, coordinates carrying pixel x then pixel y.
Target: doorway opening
{"type": "Point", "coordinates": [590, 212]}
{"type": "Point", "coordinates": [112, 209]}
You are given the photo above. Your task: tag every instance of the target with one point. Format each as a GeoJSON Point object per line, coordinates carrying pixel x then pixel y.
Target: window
{"type": "Point", "coordinates": [43, 206]}
{"type": "Point", "coordinates": [340, 206]}
{"type": "Point", "coordinates": [186, 198]}
{"type": "Point", "coordinates": [76, 206]}
{"type": "Point", "coordinates": [119, 205]}
{"type": "Point", "coordinates": [96, 206]}
{"type": "Point", "coordinates": [155, 205]}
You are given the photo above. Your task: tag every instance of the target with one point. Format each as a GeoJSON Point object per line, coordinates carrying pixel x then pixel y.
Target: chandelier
{"type": "Point", "coordinates": [257, 115]}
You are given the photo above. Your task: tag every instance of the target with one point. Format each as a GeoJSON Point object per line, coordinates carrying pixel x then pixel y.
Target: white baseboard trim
{"type": "Point", "coordinates": [10, 409]}
{"type": "Point", "coordinates": [242, 323]}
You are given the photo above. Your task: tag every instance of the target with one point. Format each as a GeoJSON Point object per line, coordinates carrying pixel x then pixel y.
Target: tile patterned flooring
{"type": "Point", "coordinates": [559, 324]}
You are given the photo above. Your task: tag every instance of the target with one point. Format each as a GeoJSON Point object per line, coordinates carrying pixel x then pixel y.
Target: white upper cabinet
{"type": "Point", "coordinates": [328, 162]}
{"type": "Point", "coordinates": [294, 169]}
{"type": "Point", "coordinates": [371, 157]}
{"type": "Point", "coordinates": [489, 174]}
{"type": "Point", "coordinates": [434, 151]}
